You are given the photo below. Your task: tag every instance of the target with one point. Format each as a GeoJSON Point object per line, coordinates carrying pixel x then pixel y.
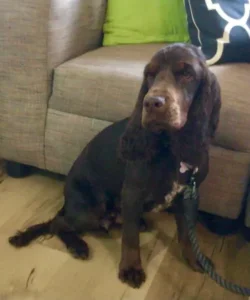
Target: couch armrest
{"type": "Point", "coordinates": [75, 27]}
{"type": "Point", "coordinates": [36, 36]}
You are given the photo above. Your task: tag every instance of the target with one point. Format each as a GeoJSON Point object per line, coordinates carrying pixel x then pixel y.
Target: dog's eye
{"type": "Point", "coordinates": [185, 75]}
{"type": "Point", "coordinates": [150, 78]}
{"type": "Point", "coordinates": [151, 74]}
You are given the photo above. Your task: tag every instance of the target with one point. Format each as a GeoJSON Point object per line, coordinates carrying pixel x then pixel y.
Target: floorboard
{"type": "Point", "coordinates": [45, 270]}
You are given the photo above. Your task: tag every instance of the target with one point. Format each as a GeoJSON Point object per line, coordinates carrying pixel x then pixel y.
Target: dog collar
{"type": "Point", "coordinates": [184, 167]}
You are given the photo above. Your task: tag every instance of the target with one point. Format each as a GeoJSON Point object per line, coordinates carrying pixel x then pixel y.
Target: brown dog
{"type": "Point", "coordinates": [145, 161]}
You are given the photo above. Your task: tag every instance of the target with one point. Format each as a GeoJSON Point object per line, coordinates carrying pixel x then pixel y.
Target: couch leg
{"type": "Point", "coordinates": [17, 170]}
{"type": "Point", "coordinates": [246, 233]}
{"type": "Point", "coordinates": [219, 225]}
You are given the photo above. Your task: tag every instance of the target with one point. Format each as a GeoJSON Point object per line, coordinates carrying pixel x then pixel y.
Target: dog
{"type": "Point", "coordinates": [142, 162]}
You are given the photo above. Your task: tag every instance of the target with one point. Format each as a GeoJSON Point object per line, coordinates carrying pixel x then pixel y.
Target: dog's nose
{"type": "Point", "coordinates": [155, 102]}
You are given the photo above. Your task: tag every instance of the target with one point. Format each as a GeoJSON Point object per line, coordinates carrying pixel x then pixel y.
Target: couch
{"type": "Point", "coordinates": [59, 87]}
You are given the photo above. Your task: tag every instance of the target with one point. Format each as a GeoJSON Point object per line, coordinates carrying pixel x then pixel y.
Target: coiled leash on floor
{"type": "Point", "coordinates": [190, 203]}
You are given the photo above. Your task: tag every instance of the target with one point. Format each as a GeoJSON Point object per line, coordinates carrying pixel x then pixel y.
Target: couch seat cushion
{"type": "Point", "coordinates": [234, 128]}
{"type": "Point", "coordinates": [101, 84]}
{"type": "Point", "coordinates": [104, 83]}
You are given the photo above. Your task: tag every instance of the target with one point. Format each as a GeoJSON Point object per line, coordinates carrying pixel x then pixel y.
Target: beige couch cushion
{"type": "Point", "coordinates": [221, 193]}
{"type": "Point", "coordinates": [224, 188]}
{"type": "Point", "coordinates": [65, 137]}
{"type": "Point", "coordinates": [103, 84]}
{"type": "Point", "coordinates": [234, 129]}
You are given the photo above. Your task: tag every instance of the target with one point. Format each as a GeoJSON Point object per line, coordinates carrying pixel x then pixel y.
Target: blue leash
{"type": "Point", "coordinates": [190, 201]}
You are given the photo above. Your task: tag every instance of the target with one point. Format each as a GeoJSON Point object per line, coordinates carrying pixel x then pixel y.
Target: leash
{"type": "Point", "coordinates": [189, 202]}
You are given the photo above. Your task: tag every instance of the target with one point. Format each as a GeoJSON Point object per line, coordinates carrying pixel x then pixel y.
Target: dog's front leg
{"type": "Point", "coordinates": [182, 229]}
{"type": "Point", "coordinates": [184, 241]}
{"type": "Point", "coordinates": [133, 194]}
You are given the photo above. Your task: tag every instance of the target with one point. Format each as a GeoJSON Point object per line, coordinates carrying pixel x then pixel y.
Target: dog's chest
{"type": "Point", "coordinates": [168, 198]}
{"type": "Point", "coordinates": [169, 181]}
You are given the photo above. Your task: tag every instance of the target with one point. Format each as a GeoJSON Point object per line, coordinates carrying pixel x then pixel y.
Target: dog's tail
{"type": "Point", "coordinates": [57, 226]}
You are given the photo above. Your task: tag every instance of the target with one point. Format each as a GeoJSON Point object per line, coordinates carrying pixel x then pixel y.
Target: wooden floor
{"type": "Point", "coordinates": [44, 270]}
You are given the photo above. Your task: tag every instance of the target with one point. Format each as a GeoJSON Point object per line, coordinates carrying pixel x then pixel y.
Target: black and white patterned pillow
{"type": "Point", "coordinates": [221, 28]}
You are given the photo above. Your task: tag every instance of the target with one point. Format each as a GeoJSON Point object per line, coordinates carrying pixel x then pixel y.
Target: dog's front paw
{"type": "Point", "coordinates": [132, 276]}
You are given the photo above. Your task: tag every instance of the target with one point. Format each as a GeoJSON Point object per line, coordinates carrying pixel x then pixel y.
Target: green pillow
{"type": "Point", "coordinates": [145, 21]}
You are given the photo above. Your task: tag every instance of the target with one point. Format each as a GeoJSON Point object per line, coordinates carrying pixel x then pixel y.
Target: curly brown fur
{"type": "Point", "coordinates": [174, 119]}
{"type": "Point", "coordinates": [195, 137]}
{"type": "Point", "coordinates": [76, 246]}
{"type": "Point", "coordinates": [24, 238]}
{"type": "Point", "coordinates": [202, 121]}
{"type": "Point", "coordinates": [176, 113]}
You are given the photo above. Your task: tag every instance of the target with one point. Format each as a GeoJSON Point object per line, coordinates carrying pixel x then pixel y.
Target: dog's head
{"type": "Point", "coordinates": [171, 81]}
{"type": "Point", "coordinates": [179, 96]}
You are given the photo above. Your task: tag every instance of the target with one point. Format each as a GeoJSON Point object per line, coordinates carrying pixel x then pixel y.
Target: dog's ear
{"type": "Point", "coordinates": [216, 107]}
{"type": "Point", "coordinates": [135, 119]}
{"type": "Point", "coordinates": [136, 142]}
{"type": "Point", "coordinates": [203, 118]}
{"type": "Point", "coordinates": [206, 106]}
{"type": "Point", "coordinates": [133, 139]}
